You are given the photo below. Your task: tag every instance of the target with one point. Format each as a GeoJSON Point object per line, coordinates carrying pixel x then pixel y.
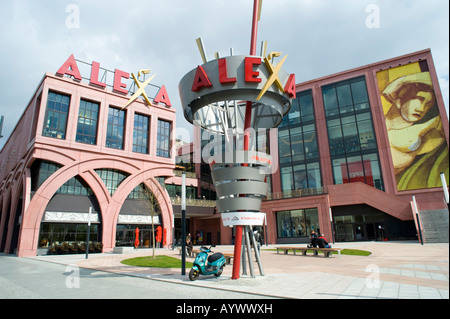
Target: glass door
{"type": "Point", "coordinates": [344, 232]}
{"type": "Point", "coordinates": [360, 231]}
{"type": "Point", "coordinates": [370, 231]}
{"type": "Point", "coordinates": [379, 231]}
{"type": "Point", "coordinates": [145, 238]}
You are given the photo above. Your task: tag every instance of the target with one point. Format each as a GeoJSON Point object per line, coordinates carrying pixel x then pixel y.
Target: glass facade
{"type": "Point", "coordinates": [297, 144]}
{"type": "Point", "coordinates": [297, 223]}
{"type": "Point", "coordinates": [116, 127]}
{"type": "Point", "coordinates": [75, 186]}
{"type": "Point", "coordinates": [359, 226]}
{"type": "Point", "coordinates": [41, 170]}
{"type": "Point", "coordinates": [69, 238]}
{"type": "Point", "coordinates": [163, 139]}
{"type": "Point", "coordinates": [57, 233]}
{"type": "Point", "coordinates": [140, 134]}
{"type": "Point", "coordinates": [353, 147]}
{"type": "Point", "coordinates": [175, 191]}
{"type": "Point", "coordinates": [56, 115]}
{"type": "Point", "coordinates": [112, 178]}
{"type": "Point", "coordinates": [139, 192]}
{"type": "Point", "coordinates": [87, 122]}
{"type": "Point", "coordinates": [125, 235]}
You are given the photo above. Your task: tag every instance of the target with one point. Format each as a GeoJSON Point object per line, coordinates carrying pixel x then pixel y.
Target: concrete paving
{"type": "Point", "coordinates": [394, 270]}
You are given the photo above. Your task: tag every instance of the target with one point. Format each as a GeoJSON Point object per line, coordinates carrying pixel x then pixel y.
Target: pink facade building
{"type": "Point", "coordinates": [75, 148]}
{"type": "Point", "coordinates": [354, 150]}
{"type": "Point", "coordinates": [352, 157]}
{"type": "Point", "coordinates": [359, 156]}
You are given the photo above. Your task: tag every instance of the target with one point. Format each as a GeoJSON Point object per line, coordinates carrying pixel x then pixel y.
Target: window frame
{"type": "Point", "coordinates": [141, 147]}
{"type": "Point", "coordinates": [114, 126]}
{"type": "Point", "coordinates": [163, 142]}
{"type": "Point", "coordinates": [80, 136]}
{"type": "Point", "coordinates": [47, 130]}
{"type": "Point", "coordinates": [353, 134]}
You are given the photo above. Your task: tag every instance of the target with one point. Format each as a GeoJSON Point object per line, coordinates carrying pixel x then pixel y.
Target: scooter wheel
{"type": "Point", "coordinates": [194, 274]}
{"type": "Point", "coordinates": [219, 272]}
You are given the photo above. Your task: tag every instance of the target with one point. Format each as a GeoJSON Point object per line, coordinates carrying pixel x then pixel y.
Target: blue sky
{"type": "Point", "coordinates": [322, 37]}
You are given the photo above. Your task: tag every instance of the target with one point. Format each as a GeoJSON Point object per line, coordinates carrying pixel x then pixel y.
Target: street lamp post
{"type": "Point", "coordinates": [88, 232]}
{"type": "Point", "coordinates": [183, 225]}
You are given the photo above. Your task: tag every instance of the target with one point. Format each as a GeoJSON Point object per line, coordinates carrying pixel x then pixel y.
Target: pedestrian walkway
{"type": "Point", "coordinates": [394, 270]}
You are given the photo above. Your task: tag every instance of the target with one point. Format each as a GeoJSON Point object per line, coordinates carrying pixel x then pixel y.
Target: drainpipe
{"type": "Point", "coordinates": [418, 220]}
{"type": "Point", "coordinates": [444, 187]}
{"type": "Point", "coordinates": [331, 221]}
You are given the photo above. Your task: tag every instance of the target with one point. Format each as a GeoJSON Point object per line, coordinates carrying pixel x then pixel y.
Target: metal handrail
{"type": "Point", "coordinates": [295, 193]}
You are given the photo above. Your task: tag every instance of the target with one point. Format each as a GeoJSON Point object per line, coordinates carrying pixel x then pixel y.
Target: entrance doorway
{"type": "Point", "coordinates": [359, 231]}
{"type": "Point", "coordinates": [369, 231]}
{"type": "Point", "coordinates": [125, 235]}
{"type": "Point", "coordinates": [358, 223]}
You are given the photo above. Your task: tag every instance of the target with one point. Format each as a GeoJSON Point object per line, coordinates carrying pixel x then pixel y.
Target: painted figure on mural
{"type": "Point", "coordinates": [415, 131]}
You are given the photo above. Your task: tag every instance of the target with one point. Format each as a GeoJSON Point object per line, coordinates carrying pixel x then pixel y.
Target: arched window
{"type": "Point", "coordinates": [112, 178]}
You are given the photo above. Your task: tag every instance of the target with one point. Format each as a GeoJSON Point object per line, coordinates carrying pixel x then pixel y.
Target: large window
{"type": "Point", "coordinates": [41, 170]}
{"type": "Point", "coordinates": [297, 145]}
{"type": "Point", "coordinates": [140, 134]}
{"type": "Point", "coordinates": [163, 144]}
{"type": "Point", "coordinates": [87, 122]}
{"type": "Point", "coordinates": [112, 178]}
{"type": "Point", "coordinates": [55, 234]}
{"type": "Point", "coordinates": [75, 186]}
{"type": "Point", "coordinates": [175, 191]}
{"type": "Point", "coordinates": [141, 192]}
{"type": "Point", "coordinates": [56, 115]}
{"type": "Point", "coordinates": [353, 147]}
{"type": "Point", "coordinates": [116, 128]}
{"type": "Point", "coordinates": [297, 223]}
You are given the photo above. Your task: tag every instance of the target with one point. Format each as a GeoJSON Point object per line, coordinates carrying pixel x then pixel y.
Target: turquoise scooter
{"type": "Point", "coordinates": [215, 264]}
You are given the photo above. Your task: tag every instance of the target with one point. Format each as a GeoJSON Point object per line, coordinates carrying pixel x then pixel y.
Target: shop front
{"type": "Point", "coordinates": [365, 223]}
{"type": "Point", "coordinates": [126, 235]}
{"type": "Point", "coordinates": [359, 227]}
{"type": "Point", "coordinates": [295, 226]}
{"type": "Point", "coordinates": [145, 226]}
{"type": "Point", "coordinates": [68, 238]}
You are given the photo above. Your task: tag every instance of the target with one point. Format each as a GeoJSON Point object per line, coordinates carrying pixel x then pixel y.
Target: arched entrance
{"type": "Point", "coordinates": [109, 203]}
{"type": "Point", "coordinates": [140, 210]}
{"type": "Point", "coordinates": [64, 224]}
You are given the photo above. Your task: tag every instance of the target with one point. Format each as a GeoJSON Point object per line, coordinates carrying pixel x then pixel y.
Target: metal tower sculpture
{"type": "Point", "coordinates": [232, 96]}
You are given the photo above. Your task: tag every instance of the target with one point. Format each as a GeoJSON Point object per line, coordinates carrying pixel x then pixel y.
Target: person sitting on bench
{"type": "Point", "coordinates": [313, 237]}
{"type": "Point", "coordinates": [322, 242]}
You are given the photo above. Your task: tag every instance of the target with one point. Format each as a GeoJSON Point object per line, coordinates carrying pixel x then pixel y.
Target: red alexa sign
{"type": "Point", "coordinates": [70, 68]}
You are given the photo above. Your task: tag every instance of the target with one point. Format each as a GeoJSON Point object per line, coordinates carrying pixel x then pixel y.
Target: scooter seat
{"type": "Point", "coordinates": [214, 257]}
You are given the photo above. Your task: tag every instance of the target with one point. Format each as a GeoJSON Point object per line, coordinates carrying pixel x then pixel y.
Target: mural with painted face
{"type": "Point", "coordinates": [416, 137]}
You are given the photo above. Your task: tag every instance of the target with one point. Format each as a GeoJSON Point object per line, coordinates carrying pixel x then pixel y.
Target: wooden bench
{"type": "Point", "coordinates": [326, 251]}
{"type": "Point", "coordinates": [228, 257]}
